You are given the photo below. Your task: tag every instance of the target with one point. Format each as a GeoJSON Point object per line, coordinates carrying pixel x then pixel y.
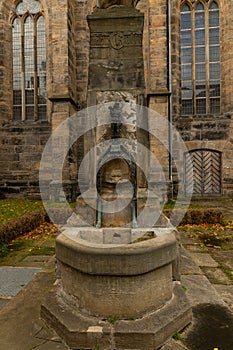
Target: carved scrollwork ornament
{"type": "Point", "coordinates": [103, 4]}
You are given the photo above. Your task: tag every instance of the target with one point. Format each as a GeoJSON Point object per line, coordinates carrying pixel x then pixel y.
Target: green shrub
{"type": "Point", "coordinates": [197, 216]}
{"type": "Point", "coordinates": [21, 225]}
{"type": "Point", "coordinates": [13, 208]}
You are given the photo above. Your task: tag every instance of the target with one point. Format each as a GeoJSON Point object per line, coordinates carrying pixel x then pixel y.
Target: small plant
{"type": "Point", "coordinates": [213, 238]}
{"type": "Point", "coordinates": [112, 320]}
{"type": "Point", "coordinates": [229, 274]}
{"type": "Point", "coordinates": [3, 249]}
{"type": "Point", "coordinates": [177, 336]}
{"type": "Point", "coordinates": [184, 289]}
{"type": "Point", "coordinates": [146, 236]}
{"type": "Point", "coordinates": [97, 347]}
{"type": "Point", "coordinates": [203, 247]}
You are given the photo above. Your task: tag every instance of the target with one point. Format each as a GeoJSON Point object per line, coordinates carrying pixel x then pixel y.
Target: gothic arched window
{"type": "Point", "coordinates": [200, 58]}
{"type": "Point", "coordinates": [29, 61]}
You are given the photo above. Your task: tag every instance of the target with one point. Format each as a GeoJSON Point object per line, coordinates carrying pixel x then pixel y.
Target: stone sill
{"type": "Point", "coordinates": [207, 117]}
{"type": "Point", "coordinates": [27, 125]}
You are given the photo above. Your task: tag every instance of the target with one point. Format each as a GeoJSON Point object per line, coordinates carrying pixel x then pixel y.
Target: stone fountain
{"type": "Point", "coordinates": [118, 285]}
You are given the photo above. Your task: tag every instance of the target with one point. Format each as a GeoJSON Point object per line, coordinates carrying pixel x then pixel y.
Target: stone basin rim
{"type": "Point", "coordinates": [124, 248]}
{"type": "Point", "coordinates": [130, 259]}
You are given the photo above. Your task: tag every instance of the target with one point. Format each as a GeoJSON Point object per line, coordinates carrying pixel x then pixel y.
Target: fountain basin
{"type": "Point", "coordinates": [115, 280]}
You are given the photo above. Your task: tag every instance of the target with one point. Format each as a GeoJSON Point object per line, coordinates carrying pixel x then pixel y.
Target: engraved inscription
{"type": "Point", "coordinates": [99, 40]}
{"type": "Point", "coordinates": [116, 40]}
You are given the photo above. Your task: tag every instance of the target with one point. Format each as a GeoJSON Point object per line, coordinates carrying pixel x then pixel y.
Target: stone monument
{"type": "Point", "coordinates": [118, 285]}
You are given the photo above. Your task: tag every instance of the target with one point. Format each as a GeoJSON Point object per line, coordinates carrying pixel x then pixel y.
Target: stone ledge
{"type": "Point", "coordinates": [148, 332]}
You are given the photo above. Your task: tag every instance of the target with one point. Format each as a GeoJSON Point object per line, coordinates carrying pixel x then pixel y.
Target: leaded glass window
{"type": "Point", "coordinates": [29, 62]}
{"type": "Point", "coordinates": [200, 58]}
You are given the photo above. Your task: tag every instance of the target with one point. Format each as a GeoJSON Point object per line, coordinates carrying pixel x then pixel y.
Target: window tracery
{"type": "Point", "coordinates": [29, 61]}
{"type": "Point", "coordinates": [200, 58]}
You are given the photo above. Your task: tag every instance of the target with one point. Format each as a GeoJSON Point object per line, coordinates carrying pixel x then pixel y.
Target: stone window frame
{"type": "Point", "coordinates": [194, 112]}
{"type": "Point", "coordinates": [36, 103]}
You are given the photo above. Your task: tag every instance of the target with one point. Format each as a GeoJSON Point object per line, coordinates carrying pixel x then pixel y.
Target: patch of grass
{"type": "Point", "coordinates": [170, 204]}
{"type": "Point", "coordinates": [97, 347]}
{"type": "Point", "coordinates": [40, 241]}
{"type": "Point", "coordinates": [13, 208]}
{"type": "Point", "coordinates": [213, 238]}
{"type": "Point", "coordinates": [52, 204]}
{"type": "Point", "coordinates": [112, 320]}
{"type": "Point", "coordinates": [177, 336]}
{"type": "Point", "coordinates": [216, 235]}
{"type": "Point", "coordinates": [228, 273]}
{"type": "Point", "coordinates": [42, 250]}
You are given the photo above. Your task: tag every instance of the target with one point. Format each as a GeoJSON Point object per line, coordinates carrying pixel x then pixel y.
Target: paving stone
{"type": "Point", "coordinates": [196, 248]}
{"type": "Point", "coordinates": [20, 318]}
{"type": "Point", "coordinates": [187, 265]}
{"type": "Point", "coordinates": [34, 261]}
{"type": "Point", "coordinates": [216, 275]}
{"type": "Point", "coordinates": [39, 258]}
{"type": "Point", "coordinates": [203, 259]}
{"type": "Point", "coordinates": [51, 345]}
{"type": "Point", "coordinates": [173, 345]}
{"type": "Point", "coordinates": [224, 258]}
{"type": "Point", "coordinates": [226, 293]}
{"type": "Point", "coordinates": [188, 240]}
{"type": "Point", "coordinates": [199, 290]}
{"type": "Point", "coordinates": [13, 279]}
{"type": "Point", "coordinates": [3, 302]}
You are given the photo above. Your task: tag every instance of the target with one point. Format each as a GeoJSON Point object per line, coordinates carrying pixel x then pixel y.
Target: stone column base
{"type": "Point", "coordinates": [149, 332]}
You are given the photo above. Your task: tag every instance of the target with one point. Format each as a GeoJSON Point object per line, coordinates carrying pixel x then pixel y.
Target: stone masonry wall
{"type": "Point", "coordinates": [21, 148]}
{"type": "Point", "coordinates": [67, 75]}
{"type": "Point", "coordinates": [5, 62]}
{"type": "Point", "coordinates": [23, 142]}
{"type": "Point", "coordinates": [210, 132]}
{"type": "Point", "coordinates": [226, 40]}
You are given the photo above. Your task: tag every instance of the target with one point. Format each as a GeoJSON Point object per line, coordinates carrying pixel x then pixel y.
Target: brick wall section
{"type": "Point", "coordinates": [155, 68]}
{"type": "Point", "coordinates": [21, 149]}
{"type": "Point", "coordinates": [72, 50]}
{"type": "Point", "coordinates": [142, 7]}
{"type": "Point", "coordinates": [82, 9]}
{"type": "Point", "coordinates": [202, 129]}
{"type": "Point", "coordinates": [157, 79]}
{"type": "Point", "coordinates": [59, 84]}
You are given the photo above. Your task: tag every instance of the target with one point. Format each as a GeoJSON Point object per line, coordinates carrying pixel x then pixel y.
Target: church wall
{"type": "Point", "coordinates": [211, 132]}
{"type": "Point", "coordinates": [67, 78]}
{"type": "Point", "coordinates": [22, 143]}
{"type": "Point", "coordinates": [226, 32]}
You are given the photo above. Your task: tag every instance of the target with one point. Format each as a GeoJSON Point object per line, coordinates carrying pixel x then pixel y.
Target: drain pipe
{"type": "Point", "coordinates": [169, 87]}
{"type": "Point", "coordinates": [99, 212]}
{"type": "Point", "coordinates": [99, 206]}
